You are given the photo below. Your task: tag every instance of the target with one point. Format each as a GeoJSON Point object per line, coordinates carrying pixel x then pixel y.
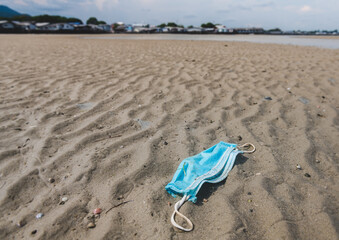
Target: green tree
{"type": "Point", "coordinates": [208, 25]}
{"type": "Point", "coordinates": [44, 18]}
{"type": "Point", "coordinates": [115, 25]}
{"type": "Point", "coordinates": [274, 30]}
{"type": "Point", "coordinates": [172, 24]}
{"type": "Point", "coordinates": [162, 25]}
{"type": "Point", "coordinates": [92, 20]}
{"type": "Point", "coordinates": [74, 20]}
{"type": "Point", "coordinates": [190, 26]}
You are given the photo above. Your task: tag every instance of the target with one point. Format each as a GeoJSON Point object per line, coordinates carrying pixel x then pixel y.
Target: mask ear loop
{"type": "Point", "coordinates": [176, 211]}
{"type": "Point", "coordinates": [247, 145]}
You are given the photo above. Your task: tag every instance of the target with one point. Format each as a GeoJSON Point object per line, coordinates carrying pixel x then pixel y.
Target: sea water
{"type": "Point", "coordinates": [326, 42]}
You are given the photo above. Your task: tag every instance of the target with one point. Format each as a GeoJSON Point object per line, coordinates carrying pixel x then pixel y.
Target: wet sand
{"type": "Point", "coordinates": [110, 120]}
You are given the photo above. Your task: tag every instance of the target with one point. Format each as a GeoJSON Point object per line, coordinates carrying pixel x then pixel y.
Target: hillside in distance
{"type": "Point", "coordinates": [7, 12]}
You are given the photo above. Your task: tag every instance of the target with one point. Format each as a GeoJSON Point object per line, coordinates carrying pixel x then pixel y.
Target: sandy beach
{"type": "Point", "coordinates": [105, 122]}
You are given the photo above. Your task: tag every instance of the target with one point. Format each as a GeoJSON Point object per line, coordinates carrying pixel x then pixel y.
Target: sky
{"type": "Point", "coordinates": [284, 14]}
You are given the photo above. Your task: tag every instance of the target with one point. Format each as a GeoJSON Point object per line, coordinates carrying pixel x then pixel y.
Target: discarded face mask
{"type": "Point", "coordinates": [211, 165]}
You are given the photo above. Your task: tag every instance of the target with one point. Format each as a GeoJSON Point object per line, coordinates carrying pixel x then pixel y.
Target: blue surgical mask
{"type": "Point", "coordinates": [211, 165]}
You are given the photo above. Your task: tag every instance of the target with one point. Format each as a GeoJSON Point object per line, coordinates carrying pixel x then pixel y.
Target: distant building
{"type": "Point", "coordinates": [249, 30]}
{"type": "Point", "coordinates": [164, 30]}
{"type": "Point", "coordinates": [43, 26]}
{"type": "Point", "coordinates": [66, 26]}
{"type": "Point", "coordinates": [208, 30]}
{"type": "Point", "coordinates": [276, 32]}
{"type": "Point", "coordinates": [27, 26]}
{"type": "Point", "coordinates": [60, 27]}
{"type": "Point", "coordinates": [118, 27]}
{"type": "Point", "coordinates": [175, 29]}
{"type": "Point", "coordinates": [6, 25]}
{"type": "Point", "coordinates": [104, 27]}
{"type": "Point", "coordinates": [221, 28]}
{"type": "Point", "coordinates": [82, 28]}
{"type": "Point", "coordinates": [140, 28]}
{"type": "Point", "coordinates": [129, 28]}
{"type": "Point", "coordinates": [141, 25]}
{"type": "Point", "coordinates": [194, 30]}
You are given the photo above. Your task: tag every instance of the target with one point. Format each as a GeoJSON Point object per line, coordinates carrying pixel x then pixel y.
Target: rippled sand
{"type": "Point", "coordinates": [110, 120]}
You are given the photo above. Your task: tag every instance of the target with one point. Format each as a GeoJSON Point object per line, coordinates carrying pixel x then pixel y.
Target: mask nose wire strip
{"type": "Point", "coordinates": [247, 145]}
{"type": "Point", "coordinates": [176, 211]}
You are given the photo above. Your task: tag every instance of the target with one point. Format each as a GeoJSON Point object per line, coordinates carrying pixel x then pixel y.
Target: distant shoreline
{"type": "Point", "coordinates": [169, 33]}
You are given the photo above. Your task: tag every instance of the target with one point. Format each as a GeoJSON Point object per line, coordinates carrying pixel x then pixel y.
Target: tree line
{"type": "Point", "coordinates": [52, 19]}
{"type": "Point", "coordinates": [93, 20]}
{"type": "Point", "coordinates": [42, 18]}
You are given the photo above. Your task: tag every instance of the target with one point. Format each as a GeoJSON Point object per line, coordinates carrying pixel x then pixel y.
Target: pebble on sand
{"type": "Point", "coordinates": [307, 175]}
{"type": "Point", "coordinates": [51, 180]}
{"type": "Point", "coordinates": [39, 215]}
{"type": "Point", "coordinates": [21, 223]}
{"type": "Point", "coordinates": [304, 100]}
{"type": "Point", "coordinates": [97, 211]}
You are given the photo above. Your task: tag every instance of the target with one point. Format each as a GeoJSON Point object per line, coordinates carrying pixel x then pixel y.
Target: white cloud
{"type": "Point", "coordinates": [40, 2]}
{"type": "Point", "coordinates": [20, 2]}
{"type": "Point", "coordinates": [305, 8]}
{"type": "Point", "coordinates": [147, 1]}
{"type": "Point", "coordinates": [100, 3]}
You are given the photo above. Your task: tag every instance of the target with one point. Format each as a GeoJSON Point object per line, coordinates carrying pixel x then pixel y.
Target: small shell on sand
{"type": "Point", "coordinates": [63, 200]}
{"type": "Point", "coordinates": [91, 225]}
